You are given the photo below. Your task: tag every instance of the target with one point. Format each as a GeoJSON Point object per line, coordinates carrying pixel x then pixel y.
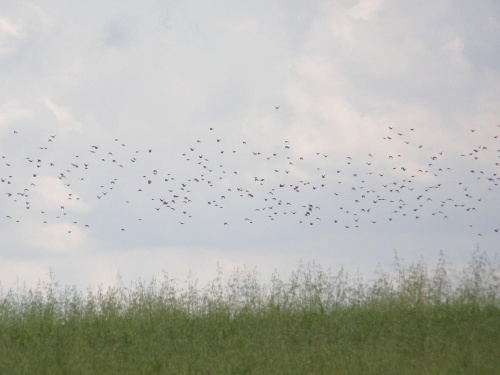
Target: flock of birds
{"type": "Point", "coordinates": [240, 183]}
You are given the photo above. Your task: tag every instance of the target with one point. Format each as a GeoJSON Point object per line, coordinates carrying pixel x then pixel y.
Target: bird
{"type": "Point", "coordinates": [394, 194]}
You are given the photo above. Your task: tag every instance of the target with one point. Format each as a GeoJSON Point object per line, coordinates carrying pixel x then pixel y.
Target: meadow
{"type": "Point", "coordinates": [411, 320]}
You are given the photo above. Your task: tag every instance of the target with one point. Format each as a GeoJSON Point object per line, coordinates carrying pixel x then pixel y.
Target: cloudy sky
{"type": "Point", "coordinates": [142, 137]}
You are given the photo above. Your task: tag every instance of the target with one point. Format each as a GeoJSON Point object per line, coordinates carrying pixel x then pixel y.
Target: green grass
{"type": "Point", "coordinates": [413, 322]}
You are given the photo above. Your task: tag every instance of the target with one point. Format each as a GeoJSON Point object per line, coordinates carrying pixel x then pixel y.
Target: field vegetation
{"type": "Point", "coordinates": [413, 320]}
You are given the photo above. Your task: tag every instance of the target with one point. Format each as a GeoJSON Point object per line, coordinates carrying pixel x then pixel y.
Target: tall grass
{"type": "Point", "coordinates": [411, 321]}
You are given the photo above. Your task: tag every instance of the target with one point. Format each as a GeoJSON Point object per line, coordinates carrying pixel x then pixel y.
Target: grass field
{"type": "Point", "coordinates": [412, 321]}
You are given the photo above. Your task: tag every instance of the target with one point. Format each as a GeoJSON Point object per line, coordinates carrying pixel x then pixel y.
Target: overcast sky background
{"type": "Point", "coordinates": [157, 75]}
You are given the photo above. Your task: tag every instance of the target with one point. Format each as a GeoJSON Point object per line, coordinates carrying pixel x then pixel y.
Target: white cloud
{"type": "Point", "coordinates": [365, 9]}
{"type": "Point", "coordinates": [52, 191]}
{"type": "Point", "coordinates": [31, 24]}
{"type": "Point", "coordinates": [7, 28]}
{"type": "Point", "coordinates": [9, 34]}
{"type": "Point", "coordinates": [12, 111]}
{"type": "Point", "coordinates": [17, 274]}
{"type": "Point", "coordinates": [244, 26]}
{"type": "Point", "coordinates": [64, 116]}
{"type": "Point", "coordinates": [59, 238]}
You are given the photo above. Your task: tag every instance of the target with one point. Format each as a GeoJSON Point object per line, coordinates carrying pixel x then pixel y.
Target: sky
{"type": "Point", "coordinates": [153, 137]}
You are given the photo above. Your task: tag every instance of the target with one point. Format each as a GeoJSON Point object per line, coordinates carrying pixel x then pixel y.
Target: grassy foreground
{"type": "Point", "coordinates": [415, 321]}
